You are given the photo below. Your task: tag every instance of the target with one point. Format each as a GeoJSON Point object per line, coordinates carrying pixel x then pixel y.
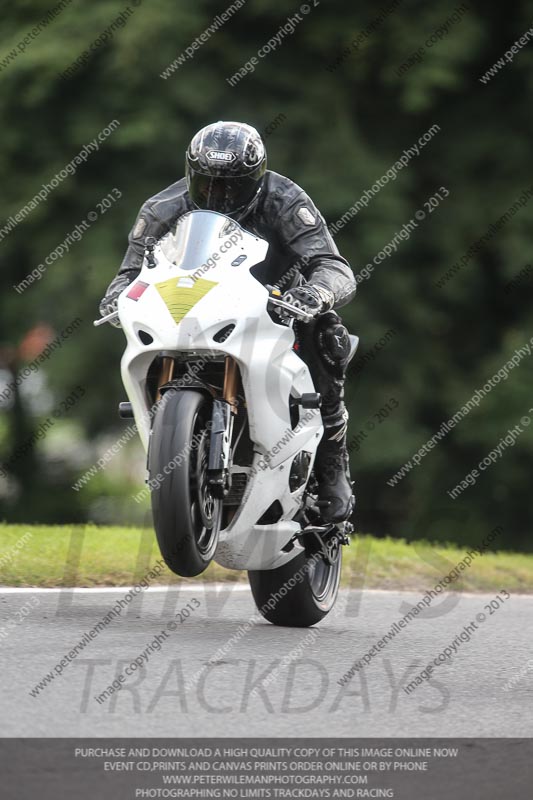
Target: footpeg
{"type": "Point", "coordinates": [307, 400]}
{"type": "Point", "coordinates": [125, 410]}
{"type": "Point", "coordinates": [345, 529]}
{"type": "Point", "coordinates": [326, 540]}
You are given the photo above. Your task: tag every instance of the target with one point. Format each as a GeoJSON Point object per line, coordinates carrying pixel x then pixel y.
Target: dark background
{"type": "Point", "coordinates": [335, 120]}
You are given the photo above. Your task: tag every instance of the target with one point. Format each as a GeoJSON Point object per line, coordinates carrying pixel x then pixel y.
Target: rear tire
{"type": "Point", "coordinates": [186, 515]}
{"type": "Point", "coordinates": [308, 597]}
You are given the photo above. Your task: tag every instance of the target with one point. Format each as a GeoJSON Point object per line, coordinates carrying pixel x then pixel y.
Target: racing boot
{"type": "Point", "coordinates": [332, 470]}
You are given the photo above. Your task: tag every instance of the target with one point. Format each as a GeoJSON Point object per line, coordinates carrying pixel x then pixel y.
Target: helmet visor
{"type": "Point", "coordinates": [225, 195]}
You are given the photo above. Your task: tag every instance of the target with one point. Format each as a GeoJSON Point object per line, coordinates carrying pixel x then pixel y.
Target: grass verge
{"type": "Point", "coordinates": [77, 555]}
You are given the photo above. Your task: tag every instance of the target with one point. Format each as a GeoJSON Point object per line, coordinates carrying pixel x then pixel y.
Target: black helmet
{"type": "Point", "coordinates": [225, 167]}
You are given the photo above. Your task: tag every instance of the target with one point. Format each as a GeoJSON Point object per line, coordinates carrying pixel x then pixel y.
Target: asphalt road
{"type": "Point", "coordinates": [468, 695]}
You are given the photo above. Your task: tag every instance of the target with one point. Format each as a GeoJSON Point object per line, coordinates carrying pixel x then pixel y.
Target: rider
{"type": "Point", "coordinates": [225, 169]}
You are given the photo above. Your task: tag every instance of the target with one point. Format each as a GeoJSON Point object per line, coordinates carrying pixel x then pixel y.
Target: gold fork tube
{"type": "Point", "coordinates": [167, 371]}
{"type": "Point", "coordinates": [231, 383]}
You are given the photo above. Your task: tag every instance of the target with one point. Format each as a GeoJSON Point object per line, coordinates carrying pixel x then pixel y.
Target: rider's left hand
{"type": "Point", "coordinates": [314, 300]}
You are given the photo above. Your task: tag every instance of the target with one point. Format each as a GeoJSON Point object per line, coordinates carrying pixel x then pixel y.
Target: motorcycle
{"type": "Point", "coordinates": [229, 417]}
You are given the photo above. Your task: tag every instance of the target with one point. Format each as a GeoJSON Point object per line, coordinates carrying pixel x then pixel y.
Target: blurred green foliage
{"type": "Point", "coordinates": [343, 128]}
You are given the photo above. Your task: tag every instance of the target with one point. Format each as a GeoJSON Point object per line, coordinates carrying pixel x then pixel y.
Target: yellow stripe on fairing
{"type": "Point", "coordinates": [180, 299]}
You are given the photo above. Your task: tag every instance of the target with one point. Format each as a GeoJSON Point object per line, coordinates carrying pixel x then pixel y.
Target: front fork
{"type": "Point", "coordinates": [224, 411]}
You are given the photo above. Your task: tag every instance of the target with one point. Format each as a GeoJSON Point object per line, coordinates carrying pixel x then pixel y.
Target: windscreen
{"type": "Point", "coordinates": [203, 239]}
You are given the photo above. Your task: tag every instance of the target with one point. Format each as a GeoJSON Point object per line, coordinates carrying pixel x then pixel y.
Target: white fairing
{"type": "Point", "coordinates": [214, 249]}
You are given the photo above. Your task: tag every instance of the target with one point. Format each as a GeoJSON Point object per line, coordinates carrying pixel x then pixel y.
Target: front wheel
{"type": "Point", "coordinates": [186, 515]}
{"type": "Point", "coordinates": [299, 593]}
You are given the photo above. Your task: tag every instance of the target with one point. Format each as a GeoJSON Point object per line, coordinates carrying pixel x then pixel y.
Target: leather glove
{"type": "Point", "coordinates": [313, 300]}
{"type": "Point", "coordinates": [108, 305]}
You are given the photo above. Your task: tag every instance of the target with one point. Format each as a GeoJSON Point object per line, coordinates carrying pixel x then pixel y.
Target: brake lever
{"type": "Point", "coordinates": [296, 312]}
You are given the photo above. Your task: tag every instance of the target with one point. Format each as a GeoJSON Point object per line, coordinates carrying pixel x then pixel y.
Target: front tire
{"type": "Point", "coordinates": [311, 588]}
{"type": "Point", "coordinates": [186, 515]}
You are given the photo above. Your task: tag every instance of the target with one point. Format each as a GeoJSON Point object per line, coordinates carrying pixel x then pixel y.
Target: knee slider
{"type": "Point", "coordinates": [333, 341]}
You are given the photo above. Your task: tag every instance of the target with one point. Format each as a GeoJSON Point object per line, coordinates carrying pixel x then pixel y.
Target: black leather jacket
{"type": "Point", "coordinates": [284, 215]}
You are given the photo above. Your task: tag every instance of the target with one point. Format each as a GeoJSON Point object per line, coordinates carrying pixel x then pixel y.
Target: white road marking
{"type": "Point", "coordinates": [189, 587]}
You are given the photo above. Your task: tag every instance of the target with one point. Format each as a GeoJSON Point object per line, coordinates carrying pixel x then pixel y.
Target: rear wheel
{"type": "Point", "coordinates": [186, 515]}
{"type": "Point", "coordinates": [299, 593]}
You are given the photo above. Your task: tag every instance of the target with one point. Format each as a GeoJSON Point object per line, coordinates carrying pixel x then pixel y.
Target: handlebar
{"type": "Point", "coordinates": [276, 300]}
{"type": "Point", "coordinates": [107, 318]}
{"type": "Point", "coordinates": [295, 311]}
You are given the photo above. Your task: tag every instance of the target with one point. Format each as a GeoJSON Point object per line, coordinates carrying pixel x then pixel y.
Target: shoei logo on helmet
{"type": "Point", "coordinates": [220, 155]}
